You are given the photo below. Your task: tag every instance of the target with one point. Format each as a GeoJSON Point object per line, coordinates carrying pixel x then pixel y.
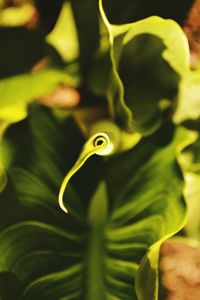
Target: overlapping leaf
{"type": "Point", "coordinates": [18, 91]}
{"type": "Point", "coordinates": [64, 34]}
{"type": "Point", "coordinates": [21, 49]}
{"type": "Point", "coordinates": [148, 57]}
{"type": "Point", "coordinates": [120, 209]}
{"type": "Point", "coordinates": [95, 251]}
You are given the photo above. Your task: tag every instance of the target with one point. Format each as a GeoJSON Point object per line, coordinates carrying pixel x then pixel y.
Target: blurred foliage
{"type": "Point", "coordinates": [130, 62]}
{"type": "Point", "coordinates": [64, 35]}
{"type": "Point", "coordinates": [151, 77]}
{"type": "Point", "coordinates": [108, 229]}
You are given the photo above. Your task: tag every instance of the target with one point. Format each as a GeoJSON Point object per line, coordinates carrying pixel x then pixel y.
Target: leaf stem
{"type": "Point", "coordinates": [95, 251]}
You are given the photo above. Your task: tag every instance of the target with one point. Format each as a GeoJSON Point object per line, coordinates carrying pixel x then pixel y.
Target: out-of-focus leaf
{"type": "Point", "coordinates": [147, 74]}
{"type": "Point", "coordinates": [16, 16]}
{"type": "Point", "coordinates": [188, 107]}
{"type": "Point", "coordinates": [163, 200]}
{"type": "Point", "coordinates": [93, 252]}
{"type": "Point", "coordinates": [17, 92]}
{"type": "Point", "coordinates": [64, 35]}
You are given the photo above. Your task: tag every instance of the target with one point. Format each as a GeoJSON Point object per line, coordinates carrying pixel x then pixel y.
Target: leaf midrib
{"type": "Point", "coordinates": [95, 258]}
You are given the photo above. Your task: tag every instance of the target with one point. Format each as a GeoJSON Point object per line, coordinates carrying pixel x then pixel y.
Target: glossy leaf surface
{"type": "Point", "coordinates": [149, 58]}
{"type": "Point", "coordinates": [93, 252]}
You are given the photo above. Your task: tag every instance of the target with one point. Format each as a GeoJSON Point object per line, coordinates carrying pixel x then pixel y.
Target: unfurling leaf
{"type": "Point", "coordinates": [149, 57]}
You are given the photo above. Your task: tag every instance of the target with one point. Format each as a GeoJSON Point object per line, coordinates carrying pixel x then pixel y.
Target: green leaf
{"type": "Point", "coordinates": [95, 251]}
{"type": "Point", "coordinates": [16, 16]}
{"type": "Point", "coordinates": [158, 201]}
{"type": "Point", "coordinates": [189, 98]}
{"type": "Point", "coordinates": [148, 59]}
{"type": "Point", "coordinates": [190, 158]}
{"type": "Point", "coordinates": [64, 35]}
{"type": "Point", "coordinates": [18, 91]}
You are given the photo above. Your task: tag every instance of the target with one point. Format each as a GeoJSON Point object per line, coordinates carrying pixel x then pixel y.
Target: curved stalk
{"type": "Point", "coordinates": [101, 143]}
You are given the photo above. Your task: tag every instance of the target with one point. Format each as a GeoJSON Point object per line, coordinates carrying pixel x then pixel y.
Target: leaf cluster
{"type": "Point", "coordinates": [130, 62]}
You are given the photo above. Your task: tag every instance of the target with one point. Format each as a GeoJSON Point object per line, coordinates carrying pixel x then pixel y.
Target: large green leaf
{"type": "Point", "coordinates": [149, 57]}
{"type": "Point", "coordinates": [17, 92]}
{"type": "Point", "coordinates": [16, 15]}
{"type": "Point", "coordinates": [161, 192]}
{"type": "Point", "coordinates": [117, 210]}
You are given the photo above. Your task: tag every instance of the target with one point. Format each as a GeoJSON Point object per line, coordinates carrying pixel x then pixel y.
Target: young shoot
{"type": "Point", "coordinates": [101, 143]}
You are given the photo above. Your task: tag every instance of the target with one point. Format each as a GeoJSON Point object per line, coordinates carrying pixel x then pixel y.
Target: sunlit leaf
{"type": "Point", "coordinates": [64, 35]}
{"type": "Point", "coordinates": [16, 16]}
{"type": "Point", "coordinates": [139, 84]}
{"type": "Point", "coordinates": [16, 92]}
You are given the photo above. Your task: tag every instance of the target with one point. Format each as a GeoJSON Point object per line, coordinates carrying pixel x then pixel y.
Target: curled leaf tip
{"type": "Point", "coordinates": [101, 143]}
